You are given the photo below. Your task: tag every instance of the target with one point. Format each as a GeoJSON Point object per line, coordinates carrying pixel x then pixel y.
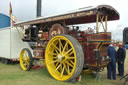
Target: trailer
{"type": "Point", "coordinates": [11, 44]}
{"type": "Point", "coordinates": [65, 49]}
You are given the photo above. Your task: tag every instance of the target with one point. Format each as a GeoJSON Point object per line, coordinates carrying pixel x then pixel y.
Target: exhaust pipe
{"type": "Point", "coordinates": [38, 14]}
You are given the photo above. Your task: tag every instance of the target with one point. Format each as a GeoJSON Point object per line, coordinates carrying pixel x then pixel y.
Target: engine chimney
{"type": "Point", "coordinates": [38, 8]}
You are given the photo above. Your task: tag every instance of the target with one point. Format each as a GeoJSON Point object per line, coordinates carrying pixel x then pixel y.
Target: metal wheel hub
{"type": "Point", "coordinates": [60, 57]}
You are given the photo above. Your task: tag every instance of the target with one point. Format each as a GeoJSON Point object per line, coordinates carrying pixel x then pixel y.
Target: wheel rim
{"type": "Point", "coordinates": [60, 58]}
{"type": "Point", "coordinates": [24, 60]}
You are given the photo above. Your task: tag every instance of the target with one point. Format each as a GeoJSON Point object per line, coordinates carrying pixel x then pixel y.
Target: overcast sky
{"type": "Point", "coordinates": [26, 10]}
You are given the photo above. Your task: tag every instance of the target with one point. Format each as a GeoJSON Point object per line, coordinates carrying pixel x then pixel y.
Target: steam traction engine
{"type": "Point", "coordinates": [66, 49]}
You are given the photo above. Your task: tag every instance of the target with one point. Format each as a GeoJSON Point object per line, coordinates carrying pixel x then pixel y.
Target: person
{"type": "Point", "coordinates": [121, 53]}
{"type": "Point", "coordinates": [111, 67]}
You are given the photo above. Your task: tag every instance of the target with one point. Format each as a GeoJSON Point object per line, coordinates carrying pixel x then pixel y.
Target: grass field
{"type": "Point", "coordinates": [13, 75]}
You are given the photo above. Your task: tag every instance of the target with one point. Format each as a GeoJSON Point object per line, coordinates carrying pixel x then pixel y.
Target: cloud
{"type": "Point", "coordinates": [4, 7]}
{"type": "Point", "coordinates": [26, 10]}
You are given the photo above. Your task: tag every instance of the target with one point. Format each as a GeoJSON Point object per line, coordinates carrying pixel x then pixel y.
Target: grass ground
{"type": "Point", "coordinates": [13, 75]}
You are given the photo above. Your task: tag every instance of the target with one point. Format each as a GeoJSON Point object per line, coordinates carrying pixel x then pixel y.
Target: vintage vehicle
{"type": "Point", "coordinates": [65, 49]}
{"type": "Point", "coordinates": [125, 35]}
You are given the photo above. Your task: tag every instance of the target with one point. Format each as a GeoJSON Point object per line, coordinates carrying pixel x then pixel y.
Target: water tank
{"type": "Point", "coordinates": [4, 21]}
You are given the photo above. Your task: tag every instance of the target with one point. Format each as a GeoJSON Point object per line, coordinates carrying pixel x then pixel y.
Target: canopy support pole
{"type": "Point", "coordinates": [106, 17]}
{"type": "Point", "coordinates": [97, 27]}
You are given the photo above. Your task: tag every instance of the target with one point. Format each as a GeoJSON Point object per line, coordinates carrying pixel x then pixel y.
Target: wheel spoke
{"type": "Point", "coordinates": [69, 64]}
{"type": "Point", "coordinates": [56, 51]}
{"type": "Point", "coordinates": [70, 57]}
{"type": "Point", "coordinates": [52, 62]}
{"type": "Point", "coordinates": [65, 46]}
{"type": "Point", "coordinates": [57, 68]}
{"type": "Point", "coordinates": [52, 53]}
{"type": "Point", "coordinates": [66, 68]}
{"type": "Point", "coordinates": [62, 72]}
{"type": "Point", "coordinates": [26, 54]}
{"type": "Point", "coordinates": [25, 65]}
{"type": "Point", "coordinates": [54, 57]}
{"type": "Point", "coordinates": [60, 68]}
{"type": "Point", "coordinates": [68, 51]}
{"type": "Point", "coordinates": [26, 57]}
{"type": "Point", "coordinates": [23, 59]}
{"type": "Point", "coordinates": [57, 63]}
{"type": "Point", "coordinates": [24, 62]}
{"type": "Point", "coordinates": [56, 47]}
{"type": "Point", "coordinates": [60, 45]}
{"type": "Point", "coordinates": [27, 62]}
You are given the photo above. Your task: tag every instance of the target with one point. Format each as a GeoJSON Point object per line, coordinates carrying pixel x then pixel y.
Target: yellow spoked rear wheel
{"type": "Point", "coordinates": [64, 57]}
{"type": "Point", "coordinates": [25, 59]}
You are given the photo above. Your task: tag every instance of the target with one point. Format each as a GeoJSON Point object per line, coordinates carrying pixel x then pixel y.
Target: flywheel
{"type": "Point", "coordinates": [57, 29]}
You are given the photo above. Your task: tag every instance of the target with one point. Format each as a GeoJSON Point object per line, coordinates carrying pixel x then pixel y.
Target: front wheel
{"type": "Point", "coordinates": [64, 58]}
{"type": "Point", "coordinates": [25, 59]}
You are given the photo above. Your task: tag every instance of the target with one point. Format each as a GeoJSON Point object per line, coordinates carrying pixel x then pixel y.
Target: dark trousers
{"type": "Point", "coordinates": [111, 70]}
{"type": "Point", "coordinates": [121, 69]}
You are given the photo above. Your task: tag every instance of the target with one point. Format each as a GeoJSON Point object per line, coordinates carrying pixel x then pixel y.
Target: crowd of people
{"type": "Point", "coordinates": [117, 61]}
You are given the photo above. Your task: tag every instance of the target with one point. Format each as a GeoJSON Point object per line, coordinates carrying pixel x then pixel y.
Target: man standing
{"type": "Point", "coordinates": [111, 68]}
{"type": "Point", "coordinates": [121, 53]}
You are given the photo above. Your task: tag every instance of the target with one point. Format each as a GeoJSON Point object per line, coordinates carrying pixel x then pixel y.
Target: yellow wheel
{"type": "Point", "coordinates": [64, 58]}
{"type": "Point", "coordinates": [25, 59]}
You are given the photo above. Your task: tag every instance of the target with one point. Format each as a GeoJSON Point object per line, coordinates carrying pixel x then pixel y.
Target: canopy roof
{"type": "Point", "coordinates": [81, 16]}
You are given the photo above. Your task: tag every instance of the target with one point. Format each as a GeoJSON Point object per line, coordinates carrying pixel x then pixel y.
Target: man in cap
{"type": "Point", "coordinates": [121, 53]}
{"type": "Point", "coordinates": [111, 68]}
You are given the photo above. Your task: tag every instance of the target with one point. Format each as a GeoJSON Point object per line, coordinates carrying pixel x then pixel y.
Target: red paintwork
{"type": "Point", "coordinates": [39, 52]}
{"type": "Point", "coordinates": [90, 42]}
{"type": "Point", "coordinates": [45, 35]}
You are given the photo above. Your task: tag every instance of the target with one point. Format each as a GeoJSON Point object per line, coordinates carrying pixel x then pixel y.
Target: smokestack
{"type": "Point", "coordinates": [38, 8]}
